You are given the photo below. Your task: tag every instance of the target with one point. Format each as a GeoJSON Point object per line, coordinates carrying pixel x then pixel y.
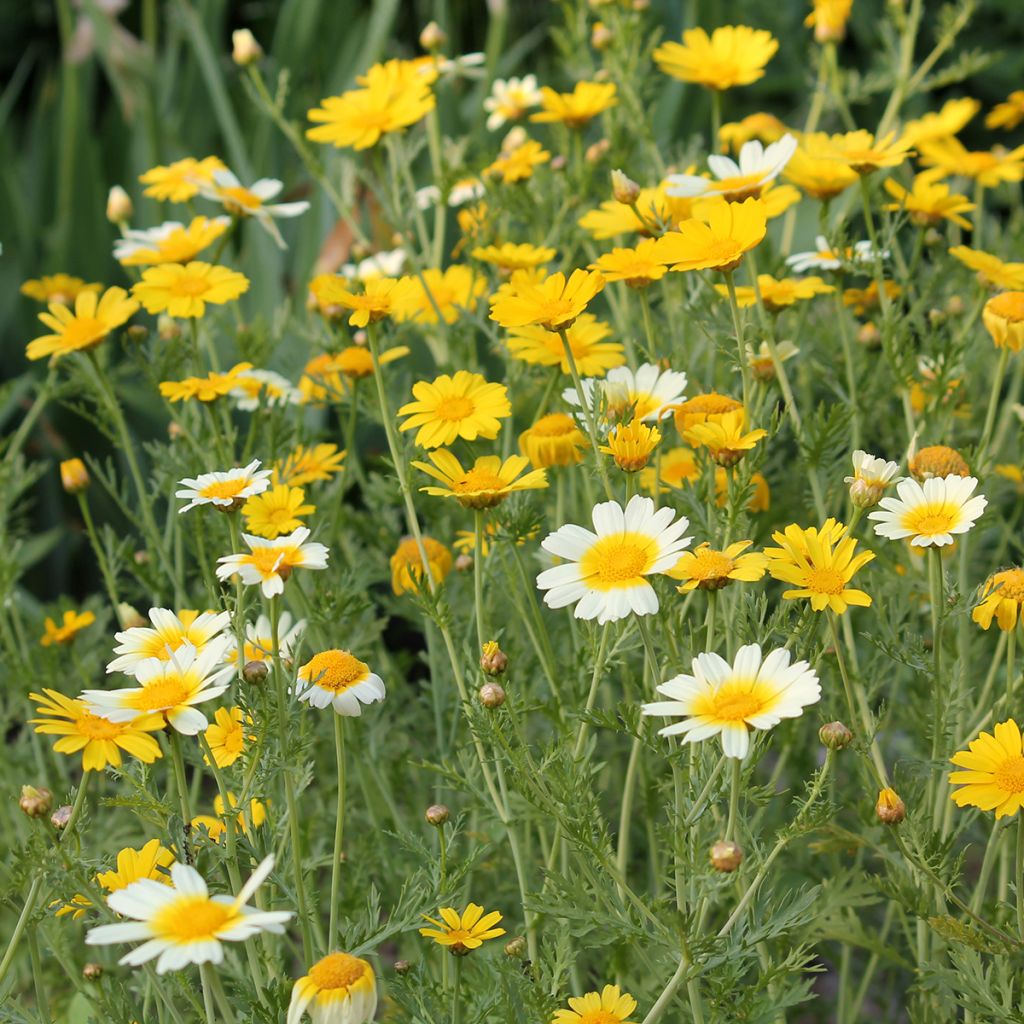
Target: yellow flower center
{"type": "Point", "coordinates": [241, 197]}
{"type": "Point", "coordinates": [336, 670]}
{"type": "Point", "coordinates": [192, 918]}
{"type": "Point", "coordinates": [96, 728]}
{"type": "Point", "coordinates": [337, 970]}
{"type": "Point", "coordinates": [267, 561]}
{"type": "Point", "coordinates": [929, 520]}
{"type": "Point", "coordinates": [1008, 305]}
{"type": "Point", "coordinates": [458, 407]}
{"type": "Point", "coordinates": [736, 701]}
{"type": "Point", "coordinates": [711, 404]}
{"type": "Point", "coordinates": [599, 1017]}
{"type": "Point", "coordinates": [224, 488]}
{"type": "Point", "coordinates": [1009, 775]}
{"type": "Point", "coordinates": [556, 424]}
{"type": "Point", "coordinates": [190, 286]}
{"type": "Point", "coordinates": [1009, 585]}
{"type": "Point", "coordinates": [618, 561]}
{"type": "Point", "coordinates": [723, 251]}
{"type": "Point", "coordinates": [162, 693]}
{"type": "Point", "coordinates": [825, 581]}
{"type": "Point", "coordinates": [83, 330]}
{"type": "Point", "coordinates": [478, 480]}
{"type": "Point", "coordinates": [355, 361]}
{"type": "Point", "coordinates": [938, 460]}
{"type": "Point", "coordinates": [740, 187]}
{"type": "Point", "coordinates": [710, 565]}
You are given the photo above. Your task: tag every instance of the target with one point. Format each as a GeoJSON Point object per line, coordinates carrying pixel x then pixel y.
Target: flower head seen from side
{"type": "Point", "coordinates": [609, 1006]}
{"type": "Point", "coordinates": [100, 741]}
{"type": "Point", "coordinates": [182, 923]}
{"type": "Point", "coordinates": [929, 201]}
{"type": "Point", "coordinates": [736, 180]}
{"type": "Point", "coordinates": [730, 231]}
{"type": "Point", "coordinates": [631, 444]}
{"type": "Point", "coordinates": [824, 257]}
{"type": "Point", "coordinates": [510, 99]}
{"type": "Point", "coordinates": [726, 438]}
{"type": "Point", "coordinates": [307, 465]}
{"type": "Point", "coordinates": [434, 295]}
{"type": "Point", "coordinates": [988, 168]}
{"type": "Point", "coordinates": [406, 564]}
{"type": "Point", "coordinates": [950, 119]}
{"type": "Point", "coordinates": [732, 55]}
{"type": "Point", "coordinates": [929, 514]}
{"type": "Point", "coordinates": [1003, 316]}
{"type": "Point", "coordinates": [268, 563]}
{"type": "Point", "coordinates": [554, 303]}
{"type": "Point", "coordinates": [338, 989]}
{"type": "Point", "coordinates": [819, 565]}
{"type": "Point", "coordinates": [180, 181]}
{"type": "Point", "coordinates": [814, 169]}
{"type": "Point", "coordinates": [488, 482]}
{"type": "Point", "coordinates": [864, 154]}
{"type": "Point", "coordinates": [72, 623]}
{"type": "Point", "coordinates": [185, 290]}
{"type": "Point", "coordinates": [705, 568]}
{"type": "Point", "coordinates": [578, 108]}
{"type": "Point", "coordinates": [604, 572]}
{"type": "Point", "coordinates": [517, 163]}
{"type": "Point", "coordinates": [463, 405]}
{"type": "Point", "coordinates": [169, 633]}
{"type": "Point", "coordinates": [638, 267]}
{"type": "Point", "coordinates": [828, 19]}
{"type": "Point", "coordinates": [756, 691]}
{"type": "Point", "coordinates": [340, 680]}
{"type": "Point", "coordinates": [871, 476]}
{"type": "Point", "coordinates": [554, 440]}
{"type": "Point", "coordinates": [252, 201]}
{"type": "Point", "coordinates": [1002, 597]}
{"type": "Point", "coordinates": [61, 288]}
{"type": "Point", "coordinates": [171, 242]}
{"type": "Point", "coordinates": [227, 736]}
{"type": "Point", "coordinates": [588, 340]}
{"type": "Point", "coordinates": [380, 298]}
{"type": "Point", "coordinates": [259, 639]}
{"type": "Point", "coordinates": [226, 491]}
{"type": "Point", "coordinates": [214, 385]}
{"type": "Point", "coordinates": [169, 689]}
{"type": "Point", "coordinates": [462, 933]}
{"type": "Point", "coordinates": [992, 771]}
{"type": "Point", "coordinates": [510, 256]}
{"type": "Point", "coordinates": [992, 272]}
{"type": "Point", "coordinates": [1007, 115]}
{"type": "Point", "coordinates": [649, 393]}
{"type": "Point", "coordinates": [82, 328]}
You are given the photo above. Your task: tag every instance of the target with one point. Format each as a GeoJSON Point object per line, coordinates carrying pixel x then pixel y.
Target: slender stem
{"type": "Point", "coordinates": [993, 406]}
{"type": "Point", "coordinates": [181, 785]}
{"type": "Point", "coordinates": [456, 984]}
{"type": "Point", "coordinates": [588, 413]}
{"type": "Point", "coordinates": [339, 826]}
{"type": "Point", "coordinates": [1018, 881]}
{"type": "Point", "coordinates": [595, 680]}
{"type": "Point", "coordinates": [737, 323]}
{"type": "Point", "coordinates": [987, 863]}
{"type": "Point", "coordinates": [939, 694]}
{"type": "Point", "coordinates": [734, 798]}
{"type": "Point", "coordinates": [1011, 669]}
{"type": "Point", "coordinates": [204, 977]}
{"type": "Point", "coordinates": [669, 991]}
{"type": "Point", "coordinates": [851, 369]}
{"type": "Point", "coordinates": [478, 577]}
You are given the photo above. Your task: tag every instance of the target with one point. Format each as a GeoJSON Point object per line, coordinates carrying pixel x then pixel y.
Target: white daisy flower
{"type": "Point", "coordinates": [826, 258]}
{"type": "Point", "coordinates": [510, 99]}
{"type": "Point", "coordinates": [266, 387]}
{"type": "Point", "coordinates": [227, 190]}
{"type": "Point", "coordinates": [181, 922]}
{"type": "Point", "coordinates": [259, 639]}
{"type": "Point", "coordinates": [730, 700]}
{"type": "Point", "coordinates": [340, 679]}
{"type": "Point", "coordinates": [228, 491]}
{"type": "Point", "coordinates": [270, 562]}
{"type": "Point", "coordinates": [169, 633]}
{"type": "Point", "coordinates": [758, 165]}
{"type": "Point", "coordinates": [427, 196]}
{"type": "Point", "coordinates": [171, 688]}
{"type": "Point", "coordinates": [872, 470]}
{"type": "Point", "coordinates": [605, 571]}
{"type": "Point", "coordinates": [929, 514]}
{"type": "Point", "coordinates": [466, 190]}
{"type": "Point", "coordinates": [649, 391]}
{"type": "Point", "coordinates": [381, 264]}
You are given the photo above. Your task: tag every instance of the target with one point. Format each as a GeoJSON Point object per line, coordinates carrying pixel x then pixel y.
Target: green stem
{"type": "Point", "coordinates": [181, 785]}
{"type": "Point", "coordinates": [737, 323]}
{"type": "Point", "coordinates": [993, 406]}
{"type": "Point", "coordinates": [339, 827]}
{"type": "Point", "coordinates": [588, 413]}
{"type": "Point", "coordinates": [204, 978]}
{"type": "Point", "coordinates": [935, 586]}
{"type": "Point", "coordinates": [1018, 881]}
{"type": "Point", "coordinates": [456, 1000]}
{"type": "Point", "coordinates": [734, 798]}
{"type": "Point", "coordinates": [478, 577]}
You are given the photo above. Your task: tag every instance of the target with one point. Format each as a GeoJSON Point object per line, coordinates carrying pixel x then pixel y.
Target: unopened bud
{"type": "Point", "coordinates": [835, 735]}
{"type": "Point", "coordinates": [74, 477]}
{"type": "Point", "coordinates": [402, 967]}
{"type": "Point", "coordinates": [936, 317]}
{"type": "Point", "coordinates": [493, 660]}
{"type": "Point", "coordinates": [869, 335]}
{"type": "Point", "coordinates": [255, 672]}
{"type": "Point", "coordinates": [91, 971]}
{"type": "Point", "coordinates": [129, 617]}
{"type": "Point", "coordinates": [558, 163]}
{"type": "Point", "coordinates": [726, 856]}
{"type": "Point", "coordinates": [167, 328]}
{"type": "Point", "coordinates": [119, 206]}
{"type": "Point", "coordinates": [864, 494]}
{"type": "Point", "coordinates": [432, 37]}
{"type": "Point", "coordinates": [437, 815]}
{"type": "Point", "coordinates": [597, 151]}
{"type": "Point", "coordinates": [933, 237]}
{"type": "Point", "coordinates": [60, 817]}
{"type": "Point", "coordinates": [624, 189]}
{"type": "Point", "coordinates": [244, 48]}
{"type": "Point", "coordinates": [175, 430]}
{"type": "Point", "coordinates": [136, 333]}
{"type": "Point", "coordinates": [515, 947]}
{"type": "Point", "coordinates": [954, 305]}
{"type": "Point", "coordinates": [35, 802]}
{"type": "Point", "coordinates": [463, 563]}
{"type": "Point", "coordinates": [141, 557]}
{"type": "Point", "coordinates": [601, 36]}
{"type": "Point", "coordinates": [890, 808]}
{"type": "Point", "coordinates": [492, 695]}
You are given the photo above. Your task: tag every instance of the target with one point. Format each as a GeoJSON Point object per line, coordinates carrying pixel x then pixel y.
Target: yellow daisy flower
{"type": "Point", "coordinates": [180, 181]}
{"type": "Point", "coordinates": [594, 355]}
{"type": "Point", "coordinates": [339, 989]}
{"type": "Point", "coordinates": [760, 499]}
{"type": "Point", "coordinates": [451, 292]}
{"type": "Point", "coordinates": [518, 163]}
{"type": "Point", "coordinates": [150, 861]}
{"type": "Point", "coordinates": [708, 569]}
{"type": "Point", "coordinates": [449, 407]}
{"type": "Point", "coordinates": [407, 564]}
{"type": "Point", "coordinates": [71, 625]}
{"type": "Point", "coordinates": [989, 168]}
{"type": "Point", "coordinates": [710, 406]}
{"type": "Point", "coordinates": [653, 210]}
{"type": "Point", "coordinates": [62, 288]}
{"type": "Point", "coordinates": [864, 300]}
{"type": "Point", "coordinates": [828, 19]}
{"type": "Point", "coordinates": [463, 932]}
{"type": "Point", "coordinates": [609, 1006]}
{"type": "Point", "coordinates": [308, 465]}
{"type": "Point", "coordinates": [509, 256]}
{"type": "Point", "coordinates": [578, 108]}
{"type": "Point", "coordinates": [732, 55]}
{"type": "Point", "coordinates": [553, 303]}
{"type": "Point", "coordinates": [764, 127]}
{"type": "Point", "coordinates": [184, 290]}
{"type": "Point", "coordinates": [216, 823]}
{"type": "Point", "coordinates": [992, 272]}
{"type": "Point", "coordinates": [726, 438]}
{"type": "Point", "coordinates": [730, 232]}
{"type": "Point", "coordinates": [1002, 597]}
{"type": "Point", "coordinates": [1003, 316]}
{"type": "Point", "coordinates": [929, 201]}
{"type": "Point", "coordinates": [170, 243]}
{"type": "Point", "coordinates": [814, 169]}
{"type": "Point", "coordinates": [205, 389]}
{"type": "Point", "coordinates": [488, 482]}
{"type": "Point", "coordinates": [778, 294]}
{"type": "Point", "coordinates": [638, 266]}
{"type": "Point", "coordinates": [83, 328]}
{"type": "Point", "coordinates": [993, 775]}
{"type": "Point", "coordinates": [1007, 115]}
{"type": "Point", "coordinates": [226, 736]}
{"type": "Point", "coordinates": [940, 124]}
{"type": "Point", "coordinates": [276, 511]}
{"type": "Point", "coordinates": [631, 444]}
{"type": "Point", "coordinates": [864, 154]}
{"type": "Point", "coordinates": [677, 467]}
{"type": "Point", "coordinates": [381, 297]}
{"type": "Point", "coordinates": [554, 440]}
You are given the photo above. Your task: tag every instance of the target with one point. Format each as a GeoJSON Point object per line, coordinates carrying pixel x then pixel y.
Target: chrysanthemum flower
{"type": "Point", "coordinates": [1003, 316]}
{"type": "Point", "coordinates": [737, 180]}
{"type": "Point", "coordinates": [578, 108]}
{"type": "Point", "coordinates": [169, 633]}
{"type": "Point", "coordinates": [761, 126]}
{"type": "Point", "coordinates": [252, 201]}
{"type": "Point", "coordinates": [518, 163]}
{"type": "Point", "coordinates": [1007, 115]}
{"type": "Point", "coordinates": [99, 740]}
{"type": "Point", "coordinates": [463, 932]}
{"type": "Point", "coordinates": [508, 256]}
{"type": "Point", "coordinates": [631, 444]}
{"type": "Point", "coordinates": [871, 476]}
{"type": "Point", "coordinates": [864, 154]}
{"type": "Point", "coordinates": [605, 572]}
{"type": "Point", "coordinates": [828, 19]}
{"type": "Point", "coordinates": [648, 393]}
{"type": "Point", "coordinates": [269, 563]}
{"type": "Point", "coordinates": [731, 231]}
{"type": "Point", "coordinates": [824, 257]}
{"type": "Point", "coordinates": [587, 337]}
{"type": "Point", "coordinates": [487, 483]}
{"type": "Point", "coordinates": [255, 388]}
{"type": "Point", "coordinates": [184, 290]}
{"type": "Point", "coordinates": [554, 440]}
{"type": "Point", "coordinates": [814, 169]}
{"type": "Point", "coordinates": [392, 96]}
{"type": "Point", "coordinates": [308, 465]}
{"type": "Point", "coordinates": [74, 477]}
{"type": "Point", "coordinates": [449, 407]}
{"type": "Point", "coordinates": [72, 623]}
{"type": "Point", "coordinates": [276, 511]}
{"type": "Point", "coordinates": [936, 460]}
{"type": "Point", "coordinates": [677, 468]}
{"type": "Point", "coordinates": [708, 569]}
{"type": "Point", "coordinates": [204, 389]}
{"type": "Point", "coordinates": [339, 989]}
{"type": "Point", "coordinates": [940, 124]}
{"type": "Point", "coordinates": [450, 292]}
{"type": "Point", "coordinates": [259, 639]}
{"type": "Point", "coordinates": [609, 1006]}
{"type": "Point", "coordinates": [181, 923]}
{"type": "Point", "coordinates": [1002, 598]}
{"type": "Point", "coordinates": [216, 824]}
{"type": "Point", "coordinates": [553, 303]}
{"type": "Point", "coordinates": [653, 211]}
{"type": "Point", "coordinates": [510, 100]}
{"type": "Point", "coordinates": [930, 515]}
{"type": "Point", "coordinates": [381, 297]}
{"type": "Point", "coordinates": [226, 736]}
{"type": "Point", "coordinates": [169, 689]}
{"type": "Point", "coordinates": [819, 564]}
{"type": "Point", "coordinates": [710, 406]}
{"type": "Point", "coordinates": [62, 288]}
{"type": "Point", "coordinates": [179, 182]}
{"type": "Point", "coordinates": [227, 491]}
{"type": "Point", "coordinates": [865, 300]}
{"type": "Point", "coordinates": [992, 272]}
{"type": "Point", "coordinates": [638, 266]}
{"type": "Point", "coordinates": [171, 242]}
{"type": "Point", "coordinates": [755, 692]}
{"type": "Point", "coordinates": [726, 438]}
{"type": "Point", "coordinates": [387, 263]}
{"type": "Point", "coordinates": [732, 55]}
{"type": "Point", "coordinates": [339, 679]}
{"type": "Point", "coordinates": [83, 328]}
{"type": "Point", "coordinates": [407, 564]}
{"type": "Point", "coordinates": [989, 168]}
{"type": "Point", "coordinates": [993, 775]}
{"type": "Point", "coordinates": [929, 201]}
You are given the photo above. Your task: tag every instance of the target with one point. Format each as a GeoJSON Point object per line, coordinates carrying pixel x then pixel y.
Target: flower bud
{"type": "Point", "coordinates": [167, 328]}
{"type": "Point", "coordinates": [255, 672]}
{"type": "Point", "coordinates": [437, 815]}
{"type": "Point", "coordinates": [74, 477]}
{"type": "Point", "coordinates": [936, 317]}
{"type": "Point", "coordinates": [463, 563]}
{"type": "Point", "coordinates": [515, 947]}
{"type": "Point", "coordinates": [402, 967]}
{"type": "Point", "coordinates": [91, 971]}
{"type": "Point", "coordinates": [558, 163]}
{"type": "Point", "coordinates": [432, 37]}
{"type": "Point", "coordinates": [244, 48]}
{"type": "Point", "coordinates": [624, 189]}
{"type": "Point", "coordinates": [136, 333]}
{"type": "Point", "coordinates": [129, 617]}
{"type": "Point", "coordinates": [869, 335]}
{"type": "Point", "coordinates": [601, 36]}
{"type": "Point", "coordinates": [932, 237]}
{"type": "Point", "coordinates": [141, 557]}
{"type": "Point", "coordinates": [175, 430]}
{"type": "Point", "coordinates": [492, 695]}
{"type": "Point", "coordinates": [119, 206]}
{"type": "Point", "coordinates": [726, 856]}
{"type": "Point", "coordinates": [597, 151]}
{"type": "Point", "coordinates": [60, 817]}
{"type": "Point", "coordinates": [493, 660]}
{"type": "Point", "coordinates": [835, 735]}
{"type": "Point", "coordinates": [35, 802]}
{"type": "Point", "coordinates": [890, 808]}
{"type": "Point", "coordinates": [954, 305]}
{"type": "Point", "coordinates": [864, 494]}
